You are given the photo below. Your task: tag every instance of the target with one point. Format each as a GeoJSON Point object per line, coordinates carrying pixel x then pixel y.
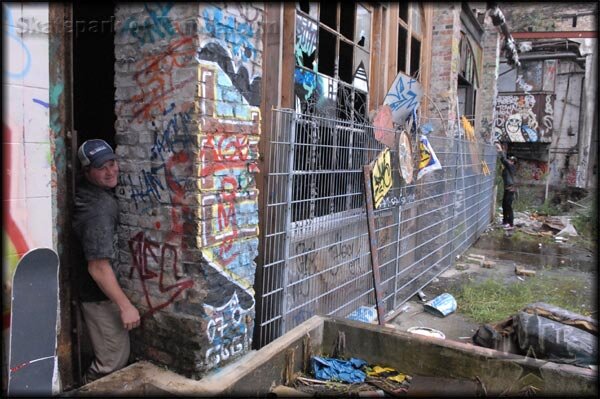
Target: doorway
{"type": "Point", "coordinates": [93, 55]}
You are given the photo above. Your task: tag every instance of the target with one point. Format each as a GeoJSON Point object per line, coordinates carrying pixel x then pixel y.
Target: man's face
{"type": "Point", "coordinates": [104, 176]}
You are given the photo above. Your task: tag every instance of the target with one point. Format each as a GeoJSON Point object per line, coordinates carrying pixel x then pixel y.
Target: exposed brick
{"type": "Point", "coordinates": [159, 105]}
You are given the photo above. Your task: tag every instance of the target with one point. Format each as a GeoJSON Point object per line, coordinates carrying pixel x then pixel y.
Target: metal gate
{"type": "Point", "coordinates": [316, 242]}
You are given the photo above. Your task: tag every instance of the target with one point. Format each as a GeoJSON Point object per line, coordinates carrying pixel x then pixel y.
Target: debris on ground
{"type": "Point", "coordinates": [461, 266]}
{"type": "Point", "coordinates": [352, 377]}
{"type": "Point", "coordinates": [564, 316]}
{"type": "Point", "coordinates": [545, 331]}
{"type": "Point", "coordinates": [442, 305]}
{"type": "Point", "coordinates": [521, 271]}
{"type": "Point", "coordinates": [366, 314]}
{"type": "Point", "coordinates": [428, 332]}
{"type": "Point", "coordinates": [544, 226]}
{"type": "Point", "coordinates": [338, 370]}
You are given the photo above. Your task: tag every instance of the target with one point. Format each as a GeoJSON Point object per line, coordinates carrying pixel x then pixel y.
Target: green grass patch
{"type": "Point", "coordinates": [491, 300]}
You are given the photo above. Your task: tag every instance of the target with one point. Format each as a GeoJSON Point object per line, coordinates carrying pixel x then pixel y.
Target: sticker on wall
{"type": "Point", "coordinates": [405, 156]}
{"type": "Point", "coordinates": [468, 128]}
{"type": "Point", "coordinates": [384, 127]}
{"type": "Point", "coordinates": [485, 168]}
{"type": "Point", "coordinates": [428, 161]}
{"type": "Point", "coordinates": [403, 97]}
{"type": "Point", "coordinates": [381, 177]}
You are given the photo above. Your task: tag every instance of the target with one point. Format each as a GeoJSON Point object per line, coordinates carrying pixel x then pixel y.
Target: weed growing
{"type": "Point", "coordinates": [492, 301]}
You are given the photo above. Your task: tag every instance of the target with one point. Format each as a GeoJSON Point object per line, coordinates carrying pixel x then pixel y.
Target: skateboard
{"type": "Point", "coordinates": [33, 365]}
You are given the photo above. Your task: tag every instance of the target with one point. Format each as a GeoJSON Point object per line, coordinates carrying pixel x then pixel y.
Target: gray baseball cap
{"type": "Point", "coordinates": [95, 153]}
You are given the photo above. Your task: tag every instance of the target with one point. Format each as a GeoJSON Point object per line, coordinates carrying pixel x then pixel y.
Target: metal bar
{"type": "Point", "coordinates": [556, 35]}
{"type": "Point", "coordinates": [288, 221]}
{"type": "Point", "coordinates": [374, 247]}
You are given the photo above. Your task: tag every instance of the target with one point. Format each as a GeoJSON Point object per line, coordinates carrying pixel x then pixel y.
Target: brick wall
{"type": "Point", "coordinates": [187, 80]}
{"type": "Point", "coordinates": [543, 17]}
{"type": "Point", "coordinates": [445, 60]}
{"type": "Point", "coordinates": [486, 94]}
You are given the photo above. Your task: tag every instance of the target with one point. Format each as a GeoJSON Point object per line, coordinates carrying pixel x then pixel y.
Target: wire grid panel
{"type": "Point", "coordinates": [316, 242]}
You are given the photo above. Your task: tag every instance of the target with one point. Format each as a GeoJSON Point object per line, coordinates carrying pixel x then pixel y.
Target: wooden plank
{"type": "Point", "coordinates": [288, 60]}
{"type": "Point", "coordinates": [373, 245]}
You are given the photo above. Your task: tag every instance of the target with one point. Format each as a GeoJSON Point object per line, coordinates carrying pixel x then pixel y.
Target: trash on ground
{"type": "Point", "coordinates": [569, 230]}
{"type": "Point", "coordinates": [552, 333]}
{"type": "Point", "coordinates": [329, 369]}
{"type": "Point", "coordinates": [488, 264]}
{"type": "Point", "coordinates": [386, 372]}
{"type": "Point", "coordinates": [461, 266]}
{"type": "Point", "coordinates": [442, 305]}
{"type": "Point", "coordinates": [521, 271]}
{"type": "Point", "coordinates": [554, 223]}
{"type": "Point", "coordinates": [421, 295]}
{"type": "Point", "coordinates": [564, 316]}
{"type": "Point", "coordinates": [557, 342]}
{"type": "Point", "coordinates": [353, 377]}
{"type": "Point", "coordinates": [429, 332]}
{"type": "Point", "coordinates": [365, 314]}
{"type": "Point", "coordinates": [474, 261]}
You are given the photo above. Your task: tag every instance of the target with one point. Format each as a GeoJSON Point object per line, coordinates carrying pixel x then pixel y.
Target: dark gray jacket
{"type": "Point", "coordinates": [508, 173]}
{"type": "Point", "coordinates": [95, 223]}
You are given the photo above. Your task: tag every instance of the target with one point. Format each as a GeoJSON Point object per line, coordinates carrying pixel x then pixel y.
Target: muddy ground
{"type": "Point", "coordinates": [507, 250]}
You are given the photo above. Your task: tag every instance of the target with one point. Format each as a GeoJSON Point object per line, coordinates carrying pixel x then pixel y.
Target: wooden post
{"type": "Point", "coordinates": [373, 244]}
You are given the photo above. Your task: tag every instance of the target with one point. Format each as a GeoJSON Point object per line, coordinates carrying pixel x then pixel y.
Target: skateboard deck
{"type": "Point", "coordinates": [33, 368]}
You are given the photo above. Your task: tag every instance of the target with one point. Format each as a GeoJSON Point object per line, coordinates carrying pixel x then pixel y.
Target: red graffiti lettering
{"type": "Point", "coordinates": [155, 78]}
{"type": "Point", "coordinates": [179, 164]}
{"type": "Point", "coordinates": [141, 249]}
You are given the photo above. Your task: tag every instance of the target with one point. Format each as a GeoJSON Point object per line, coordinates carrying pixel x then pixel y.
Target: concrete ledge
{"type": "Point", "coordinates": [258, 372]}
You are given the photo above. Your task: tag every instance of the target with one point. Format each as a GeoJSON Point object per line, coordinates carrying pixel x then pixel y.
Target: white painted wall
{"type": "Point", "coordinates": [26, 139]}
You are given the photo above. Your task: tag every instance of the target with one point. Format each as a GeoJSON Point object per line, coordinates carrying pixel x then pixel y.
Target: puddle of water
{"type": "Point", "coordinates": [531, 253]}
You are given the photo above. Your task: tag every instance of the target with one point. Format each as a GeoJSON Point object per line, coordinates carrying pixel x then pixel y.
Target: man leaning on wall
{"type": "Point", "coordinates": [107, 312]}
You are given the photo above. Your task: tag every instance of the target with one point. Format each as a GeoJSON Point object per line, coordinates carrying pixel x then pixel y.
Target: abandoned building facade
{"type": "Point", "coordinates": [242, 131]}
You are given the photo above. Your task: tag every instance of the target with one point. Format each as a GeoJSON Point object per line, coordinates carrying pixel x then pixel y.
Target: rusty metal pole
{"type": "Point", "coordinates": [373, 245]}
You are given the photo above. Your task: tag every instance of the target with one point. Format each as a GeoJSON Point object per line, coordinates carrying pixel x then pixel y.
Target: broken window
{"type": "Point", "coordinates": [467, 79]}
{"type": "Point", "coordinates": [331, 85]}
{"type": "Point", "coordinates": [410, 22]}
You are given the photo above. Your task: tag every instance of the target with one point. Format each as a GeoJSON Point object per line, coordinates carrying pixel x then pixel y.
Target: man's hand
{"type": "Point", "coordinates": [130, 317]}
{"type": "Point", "coordinates": [104, 276]}
{"type": "Point", "coordinates": [498, 146]}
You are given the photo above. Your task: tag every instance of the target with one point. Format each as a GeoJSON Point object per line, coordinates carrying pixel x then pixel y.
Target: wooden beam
{"type": "Point", "coordinates": [555, 35]}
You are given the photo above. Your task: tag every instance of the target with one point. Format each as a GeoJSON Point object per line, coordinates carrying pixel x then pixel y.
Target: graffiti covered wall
{"type": "Point", "coordinates": [524, 118]}
{"type": "Point", "coordinates": [188, 125]}
{"type": "Point", "coordinates": [29, 175]}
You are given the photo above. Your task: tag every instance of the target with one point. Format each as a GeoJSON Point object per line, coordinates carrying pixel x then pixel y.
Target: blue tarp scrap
{"type": "Point", "coordinates": [328, 369]}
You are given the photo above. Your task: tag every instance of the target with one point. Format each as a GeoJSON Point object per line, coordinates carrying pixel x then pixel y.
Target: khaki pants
{"type": "Point", "coordinates": [109, 338]}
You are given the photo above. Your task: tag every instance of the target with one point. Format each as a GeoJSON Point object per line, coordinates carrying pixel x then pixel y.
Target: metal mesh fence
{"type": "Point", "coordinates": [316, 241]}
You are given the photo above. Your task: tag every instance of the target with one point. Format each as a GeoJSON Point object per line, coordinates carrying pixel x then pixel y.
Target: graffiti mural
{"type": "Point", "coordinates": [228, 332]}
{"type": "Point", "coordinates": [533, 172]}
{"type": "Point", "coordinates": [305, 47]}
{"type": "Point", "coordinates": [228, 162]}
{"type": "Point", "coordinates": [403, 97]}
{"type": "Point", "coordinates": [155, 82]}
{"type": "Point", "coordinates": [155, 25]}
{"type": "Point", "coordinates": [381, 177]}
{"type": "Point", "coordinates": [239, 35]}
{"type": "Point", "coordinates": [159, 181]}
{"type": "Point", "coordinates": [188, 114]}
{"type": "Point", "coordinates": [524, 118]}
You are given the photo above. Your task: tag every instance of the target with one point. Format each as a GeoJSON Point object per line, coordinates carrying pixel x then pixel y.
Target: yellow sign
{"type": "Point", "coordinates": [468, 128]}
{"type": "Point", "coordinates": [381, 177]}
{"type": "Point", "coordinates": [485, 168]}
